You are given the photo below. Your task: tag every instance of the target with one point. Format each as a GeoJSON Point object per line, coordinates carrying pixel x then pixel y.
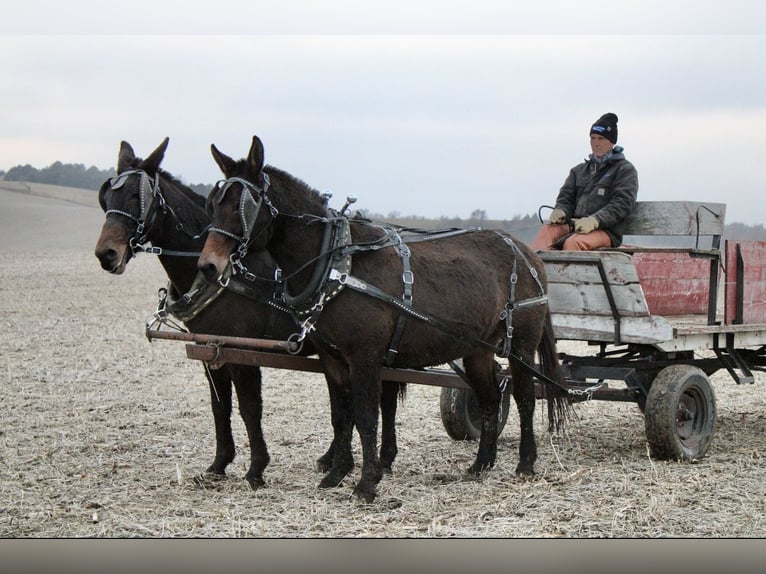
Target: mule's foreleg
{"type": "Point", "coordinates": [481, 372]}
{"type": "Point", "coordinates": [247, 381]}
{"type": "Point", "coordinates": [366, 391]}
{"type": "Point", "coordinates": [338, 461]}
{"type": "Point", "coordinates": [219, 381]}
{"type": "Point", "coordinates": [388, 402]}
{"type": "Point", "coordinates": [524, 395]}
{"type": "Point", "coordinates": [324, 463]}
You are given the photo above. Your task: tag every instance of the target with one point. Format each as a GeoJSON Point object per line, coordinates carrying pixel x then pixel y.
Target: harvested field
{"type": "Point", "coordinates": [103, 433]}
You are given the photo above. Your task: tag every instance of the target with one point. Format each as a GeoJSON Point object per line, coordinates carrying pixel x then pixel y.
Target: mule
{"type": "Point", "coordinates": [373, 295]}
{"type": "Point", "coordinates": [146, 204]}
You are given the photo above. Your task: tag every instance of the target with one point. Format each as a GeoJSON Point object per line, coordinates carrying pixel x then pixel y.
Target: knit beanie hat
{"type": "Point", "coordinates": [606, 126]}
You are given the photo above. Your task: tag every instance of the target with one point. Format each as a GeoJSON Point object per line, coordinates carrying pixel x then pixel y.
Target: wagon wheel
{"type": "Point", "coordinates": [680, 414]}
{"type": "Point", "coordinates": [460, 411]}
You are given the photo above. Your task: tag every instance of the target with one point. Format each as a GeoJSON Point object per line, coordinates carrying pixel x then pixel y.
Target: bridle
{"type": "Point", "coordinates": [148, 190]}
{"type": "Point", "coordinates": [151, 202]}
{"type": "Point", "coordinates": [249, 208]}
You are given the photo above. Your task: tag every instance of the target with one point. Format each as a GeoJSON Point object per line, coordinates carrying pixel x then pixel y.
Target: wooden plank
{"type": "Point", "coordinates": [586, 300]}
{"type": "Point", "coordinates": [647, 330]}
{"type": "Point", "coordinates": [674, 283]}
{"type": "Point", "coordinates": [221, 355]}
{"type": "Point", "coordinates": [580, 267]}
{"type": "Point", "coordinates": [693, 340]}
{"type": "Point", "coordinates": [676, 218]}
{"type": "Point", "coordinates": [754, 287]}
{"type": "Point", "coordinates": [581, 283]}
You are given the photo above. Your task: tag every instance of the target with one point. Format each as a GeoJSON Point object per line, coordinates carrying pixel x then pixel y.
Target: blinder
{"type": "Point", "coordinates": [148, 196]}
{"type": "Point", "coordinates": [148, 190]}
{"type": "Point", "coordinates": [249, 206]}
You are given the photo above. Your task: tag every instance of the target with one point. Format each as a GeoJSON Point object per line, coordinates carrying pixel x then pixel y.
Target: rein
{"type": "Point", "coordinates": [405, 306]}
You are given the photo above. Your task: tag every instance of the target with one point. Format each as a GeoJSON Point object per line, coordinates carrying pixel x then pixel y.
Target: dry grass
{"type": "Point", "coordinates": [103, 433]}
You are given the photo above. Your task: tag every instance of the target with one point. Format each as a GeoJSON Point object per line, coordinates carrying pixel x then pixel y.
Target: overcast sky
{"type": "Point", "coordinates": [434, 108]}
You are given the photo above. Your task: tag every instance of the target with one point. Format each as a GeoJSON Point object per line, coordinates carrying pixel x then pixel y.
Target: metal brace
{"type": "Point", "coordinates": [308, 325]}
{"type": "Point", "coordinates": [587, 391]}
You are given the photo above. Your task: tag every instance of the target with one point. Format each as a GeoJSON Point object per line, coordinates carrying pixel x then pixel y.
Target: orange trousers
{"type": "Point", "coordinates": [550, 234]}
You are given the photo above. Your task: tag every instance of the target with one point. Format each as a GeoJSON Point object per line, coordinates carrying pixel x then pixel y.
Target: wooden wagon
{"type": "Point", "coordinates": [659, 314]}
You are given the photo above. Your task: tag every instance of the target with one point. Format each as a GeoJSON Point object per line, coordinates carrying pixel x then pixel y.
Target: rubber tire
{"type": "Point", "coordinates": [680, 414]}
{"type": "Point", "coordinates": [459, 412]}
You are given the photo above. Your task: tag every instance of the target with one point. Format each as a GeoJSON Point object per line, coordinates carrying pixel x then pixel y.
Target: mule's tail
{"type": "Point", "coordinates": [559, 400]}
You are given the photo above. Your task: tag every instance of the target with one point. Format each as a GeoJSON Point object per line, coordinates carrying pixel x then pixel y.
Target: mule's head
{"type": "Point", "coordinates": [126, 200]}
{"type": "Point", "coordinates": [241, 211]}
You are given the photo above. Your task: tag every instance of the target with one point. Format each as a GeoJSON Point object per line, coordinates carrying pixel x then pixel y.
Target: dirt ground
{"type": "Point", "coordinates": [103, 433]}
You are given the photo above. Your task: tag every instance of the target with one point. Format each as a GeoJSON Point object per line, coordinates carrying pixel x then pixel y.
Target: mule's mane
{"type": "Point", "coordinates": [304, 199]}
{"type": "Point", "coordinates": [185, 189]}
{"type": "Point", "coordinates": [290, 183]}
{"type": "Point", "coordinates": [137, 163]}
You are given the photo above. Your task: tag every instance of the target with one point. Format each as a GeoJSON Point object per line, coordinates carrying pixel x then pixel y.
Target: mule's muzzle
{"type": "Point", "coordinates": [111, 260]}
{"type": "Point", "coordinates": [215, 256]}
{"type": "Point", "coordinates": [209, 271]}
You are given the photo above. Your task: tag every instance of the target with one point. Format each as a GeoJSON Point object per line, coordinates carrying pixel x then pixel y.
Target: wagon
{"type": "Point", "coordinates": [658, 315]}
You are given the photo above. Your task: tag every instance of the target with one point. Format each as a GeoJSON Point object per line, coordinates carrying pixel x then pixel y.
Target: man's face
{"type": "Point", "coordinates": [600, 145]}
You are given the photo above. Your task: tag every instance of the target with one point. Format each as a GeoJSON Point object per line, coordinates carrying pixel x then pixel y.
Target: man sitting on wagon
{"type": "Point", "coordinates": [597, 196]}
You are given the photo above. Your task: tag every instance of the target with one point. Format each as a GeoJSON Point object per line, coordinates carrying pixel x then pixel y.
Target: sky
{"type": "Point", "coordinates": [436, 108]}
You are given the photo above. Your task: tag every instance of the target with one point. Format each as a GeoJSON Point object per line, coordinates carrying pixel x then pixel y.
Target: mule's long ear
{"type": "Point", "coordinates": [255, 159]}
{"type": "Point", "coordinates": [125, 157]}
{"type": "Point", "coordinates": [152, 163]}
{"type": "Point", "coordinates": [225, 163]}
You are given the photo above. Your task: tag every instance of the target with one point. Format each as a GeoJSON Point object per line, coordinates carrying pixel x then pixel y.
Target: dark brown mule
{"type": "Point", "coordinates": [173, 218]}
{"type": "Point", "coordinates": [463, 287]}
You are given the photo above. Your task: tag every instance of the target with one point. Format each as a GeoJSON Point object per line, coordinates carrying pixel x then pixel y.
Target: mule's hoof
{"type": "Point", "coordinates": [477, 469]}
{"type": "Point", "coordinates": [322, 465]}
{"type": "Point", "coordinates": [255, 482]}
{"type": "Point", "coordinates": [209, 476]}
{"type": "Point", "coordinates": [365, 495]}
{"type": "Point", "coordinates": [214, 472]}
{"type": "Point", "coordinates": [525, 470]}
{"type": "Point", "coordinates": [333, 479]}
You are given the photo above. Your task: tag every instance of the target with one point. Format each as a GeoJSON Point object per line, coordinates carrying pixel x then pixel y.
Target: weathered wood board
{"type": "Point", "coordinates": [674, 283]}
{"type": "Point", "coordinates": [675, 218]}
{"type": "Point", "coordinates": [596, 296]}
{"type": "Point", "coordinates": [754, 286]}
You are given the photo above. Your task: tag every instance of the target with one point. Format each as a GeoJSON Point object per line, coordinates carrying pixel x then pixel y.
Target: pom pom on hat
{"type": "Point", "coordinates": [606, 126]}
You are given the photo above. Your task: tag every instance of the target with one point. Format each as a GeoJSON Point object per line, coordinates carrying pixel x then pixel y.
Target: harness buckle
{"type": "Point", "coordinates": [408, 278]}
{"type": "Point", "coordinates": [340, 277]}
{"type": "Point", "coordinates": [306, 327]}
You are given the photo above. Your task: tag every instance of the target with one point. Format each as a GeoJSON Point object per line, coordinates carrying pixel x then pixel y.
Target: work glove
{"type": "Point", "coordinates": [558, 216]}
{"type": "Point", "coordinates": [585, 224]}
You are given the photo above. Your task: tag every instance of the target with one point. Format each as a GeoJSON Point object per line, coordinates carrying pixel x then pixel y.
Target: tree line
{"type": "Point", "coordinates": [66, 174]}
{"type": "Point", "coordinates": [73, 175]}
{"type": "Point", "coordinates": [523, 226]}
